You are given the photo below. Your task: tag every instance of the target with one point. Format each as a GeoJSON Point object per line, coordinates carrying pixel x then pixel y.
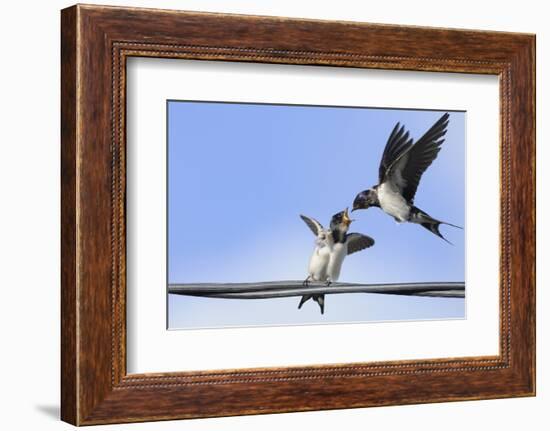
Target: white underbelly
{"type": "Point", "coordinates": [337, 256]}
{"type": "Point", "coordinates": [393, 203]}
{"type": "Point", "coordinates": [318, 263]}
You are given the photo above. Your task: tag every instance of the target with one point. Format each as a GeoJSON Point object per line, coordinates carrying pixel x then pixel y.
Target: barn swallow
{"type": "Point", "coordinates": [331, 248]}
{"type": "Point", "coordinates": [401, 168]}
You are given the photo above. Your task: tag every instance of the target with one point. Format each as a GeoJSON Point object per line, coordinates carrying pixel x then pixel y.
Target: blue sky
{"type": "Point", "coordinates": [239, 175]}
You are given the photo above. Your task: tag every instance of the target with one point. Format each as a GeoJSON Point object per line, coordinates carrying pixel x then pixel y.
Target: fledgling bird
{"type": "Point", "coordinates": [331, 248]}
{"type": "Point", "coordinates": [401, 168]}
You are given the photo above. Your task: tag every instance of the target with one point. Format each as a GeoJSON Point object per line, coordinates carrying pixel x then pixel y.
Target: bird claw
{"type": "Point", "coordinates": [329, 283]}
{"type": "Point", "coordinates": [305, 283]}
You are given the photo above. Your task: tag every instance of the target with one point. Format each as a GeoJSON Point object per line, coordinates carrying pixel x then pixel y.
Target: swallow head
{"type": "Point", "coordinates": [365, 199]}
{"type": "Point", "coordinates": [341, 221]}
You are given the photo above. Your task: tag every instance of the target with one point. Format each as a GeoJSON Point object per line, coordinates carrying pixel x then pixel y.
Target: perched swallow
{"type": "Point", "coordinates": [331, 248]}
{"type": "Point", "coordinates": [401, 168]}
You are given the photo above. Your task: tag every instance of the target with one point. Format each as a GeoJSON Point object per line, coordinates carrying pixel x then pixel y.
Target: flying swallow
{"type": "Point", "coordinates": [401, 168]}
{"type": "Point", "coordinates": [331, 248]}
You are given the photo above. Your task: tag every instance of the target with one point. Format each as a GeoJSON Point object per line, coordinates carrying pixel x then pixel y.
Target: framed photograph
{"type": "Point", "coordinates": [317, 215]}
{"type": "Point", "coordinates": [278, 161]}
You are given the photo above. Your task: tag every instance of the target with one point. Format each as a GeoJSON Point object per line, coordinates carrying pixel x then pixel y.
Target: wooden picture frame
{"type": "Point", "coordinates": [95, 43]}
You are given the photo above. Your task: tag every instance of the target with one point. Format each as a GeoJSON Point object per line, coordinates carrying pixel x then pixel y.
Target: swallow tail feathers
{"type": "Point", "coordinates": [319, 299]}
{"type": "Point", "coordinates": [304, 299]}
{"type": "Point", "coordinates": [428, 222]}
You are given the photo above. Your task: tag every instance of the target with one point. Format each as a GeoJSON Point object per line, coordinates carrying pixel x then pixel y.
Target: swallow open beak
{"type": "Point", "coordinates": [346, 219]}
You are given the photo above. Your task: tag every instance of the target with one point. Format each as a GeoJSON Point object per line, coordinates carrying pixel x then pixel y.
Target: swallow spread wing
{"type": "Point", "coordinates": [403, 162]}
{"type": "Point", "coordinates": [357, 242]}
{"type": "Point", "coordinates": [313, 224]}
